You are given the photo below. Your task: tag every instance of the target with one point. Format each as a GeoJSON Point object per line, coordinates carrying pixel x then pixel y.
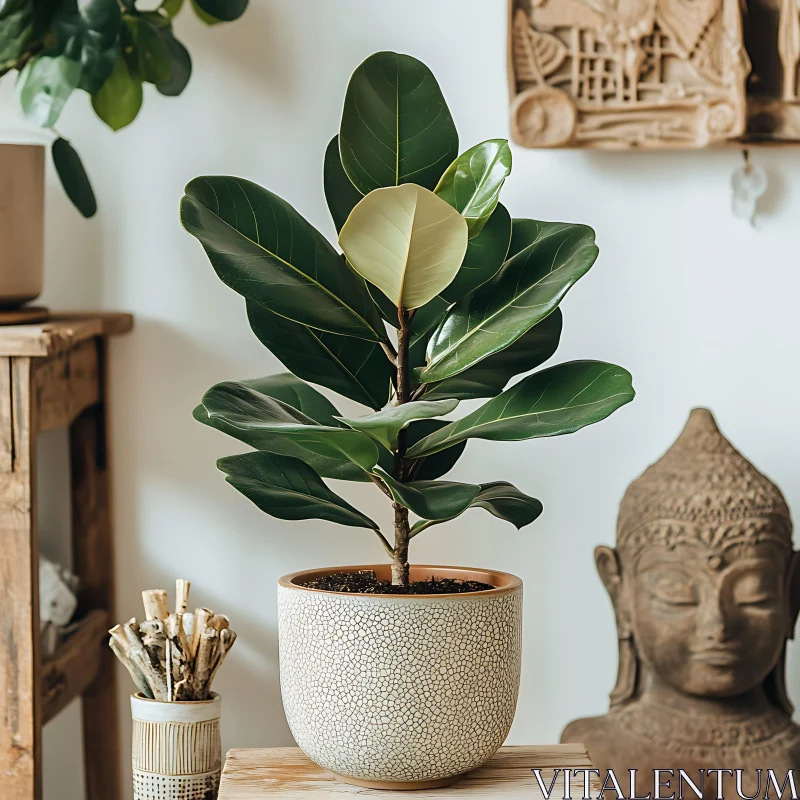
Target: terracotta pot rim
{"type": "Point", "coordinates": [502, 581]}
{"type": "Point", "coordinates": [213, 697]}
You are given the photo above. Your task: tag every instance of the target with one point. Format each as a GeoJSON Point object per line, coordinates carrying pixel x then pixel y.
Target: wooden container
{"type": "Point", "coordinates": [177, 753]}
{"type": "Point", "coordinates": [21, 223]}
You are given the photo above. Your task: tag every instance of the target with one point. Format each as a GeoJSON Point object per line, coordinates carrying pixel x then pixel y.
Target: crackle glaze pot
{"type": "Point", "coordinates": [399, 691]}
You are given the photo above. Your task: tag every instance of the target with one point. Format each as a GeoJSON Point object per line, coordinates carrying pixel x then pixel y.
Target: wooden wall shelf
{"type": "Point", "coordinates": [52, 375]}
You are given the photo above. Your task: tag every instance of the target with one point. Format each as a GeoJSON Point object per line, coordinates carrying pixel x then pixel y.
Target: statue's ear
{"type": "Point", "coordinates": [794, 592]}
{"type": "Point", "coordinates": [611, 574]}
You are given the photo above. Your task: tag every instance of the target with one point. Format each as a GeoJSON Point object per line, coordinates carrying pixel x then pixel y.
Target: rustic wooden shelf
{"type": "Point", "coordinates": [52, 375]}
{"type": "Point", "coordinates": [75, 665]}
{"type": "Point", "coordinates": [286, 772]}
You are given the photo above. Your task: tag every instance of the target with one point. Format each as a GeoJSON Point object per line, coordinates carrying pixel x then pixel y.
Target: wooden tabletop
{"type": "Point", "coordinates": [60, 332]}
{"type": "Point", "coordinates": [287, 773]}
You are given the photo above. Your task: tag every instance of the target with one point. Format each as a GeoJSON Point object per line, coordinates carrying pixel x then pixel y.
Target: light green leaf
{"type": "Point", "coordinates": [473, 181]}
{"type": "Point", "coordinates": [406, 241]}
{"type": "Point", "coordinates": [171, 7]}
{"type": "Point", "coordinates": [434, 500]}
{"type": "Point", "coordinates": [287, 488]}
{"type": "Point", "coordinates": [528, 288]}
{"type": "Point", "coordinates": [490, 376]}
{"type": "Point", "coordinates": [264, 250]}
{"type": "Point", "coordinates": [267, 423]}
{"type": "Point", "coordinates": [340, 194]}
{"type": "Point", "coordinates": [73, 177]}
{"type": "Point", "coordinates": [503, 500]}
{"type": "Point", "coordinates": [555, 401]}
{"type": "Point", "coordinates": [44, 86]}
{"type": "Point", "coordinates": [396, 127]}
{"type": "Point", "coordinates": [355, 368]}
{"type": "Point", "coordinates": [385, 425]}
{"type": "Point", "coordinates": [119, 99]}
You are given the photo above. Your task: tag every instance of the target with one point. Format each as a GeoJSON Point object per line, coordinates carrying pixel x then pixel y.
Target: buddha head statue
{"type": "Point", "coordinates": [703, 577]}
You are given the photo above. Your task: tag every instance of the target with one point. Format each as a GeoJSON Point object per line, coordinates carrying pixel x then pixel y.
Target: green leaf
{"type": "Point", "coordinates": [103, 16]}
{"type": "Point", "coordinates": [355, 368]}
{"type": "Point", "coordinates": [528, 288]}
{"type": "Point", "coordinates": [154, 58]}
{"type": "Point", "coordinates": [507, 502]}
{"type": "Point", "coordinates": [555, 401]}
{"type": "Point", "coordinates": [222, 10]}
{"type": "Point", "coordinates": [180, 67]}
{"type": "Point", "coordinates": [490, 376]}
{"type": "Point", "coordinates": [202, 15]}
{"type": "Point", "coordinates": [73, 177]}
{"type": "Point", "coordinates": [264, 250]}
{"type": "Point", "coordinates": [385, 425]}
{"type": "Point", "coordinates": [267, 423]}
{"type": "Point", "coordinates": [119, 99]}
{"type": "Point", "coordinates": [473, 181]}
{"type": "Point", "coordinates": [406, 241]}
{"type": "Point", "coordinates": [44, 86]}
{"type": "Point", "coordinates": [96, 64]}
{"type": "Point", "coordinates": [396, 127]}
{"type": "Point", "coordinates": [16, 29]}
{"type": "Point", "coordinates": [434, 500]}
{"type": "Point", "coordinates": [503, 500]}
{"type": "Point", "coordinates": [523, 233]}
{"type": "Point", "coordinates": [340, 194]}
{"type": "Point", "coordinates": [286, 488]}
{"type": "Point", "coordinates": [484, 257]}
{"type": "Point", "coordinates": [298, 394]}
{"type": "Point", "coordinates": [171, 7]}
{"type": "Point", "coordinates": [485, 254]}
{"type": "Point", "coordinates": [434, 466]}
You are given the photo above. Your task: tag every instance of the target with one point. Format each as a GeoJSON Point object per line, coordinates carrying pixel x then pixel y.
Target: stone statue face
{"type": "Point", "coordinates": [709, 623]}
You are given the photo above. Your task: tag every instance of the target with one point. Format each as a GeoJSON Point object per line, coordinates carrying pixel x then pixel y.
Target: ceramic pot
{"type": "Point", "coordinates": [177, 753]}
{"type": "Point", "coordinates": [21, 223]}
{"type": "Point", "coordinates": [398, 691]}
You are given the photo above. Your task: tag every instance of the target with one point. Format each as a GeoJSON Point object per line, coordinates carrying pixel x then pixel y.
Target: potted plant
{"type": "Point", "coordinates": [395, 674]}
{"type": "Point", "coordinates": [107, 48]}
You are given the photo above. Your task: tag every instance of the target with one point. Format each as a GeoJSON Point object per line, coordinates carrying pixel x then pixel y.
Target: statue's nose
{"type": "Point", "coordinates": [715, 627]}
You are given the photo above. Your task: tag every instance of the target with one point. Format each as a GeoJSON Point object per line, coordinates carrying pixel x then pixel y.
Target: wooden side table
{"type": "Point", "coordinates": [52, 376]}
{"type": "Point", "coordinates": [287, 773]}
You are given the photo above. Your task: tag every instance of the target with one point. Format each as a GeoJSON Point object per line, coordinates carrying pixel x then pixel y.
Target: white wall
{"type": "Point", "coordinates": [699, 306]}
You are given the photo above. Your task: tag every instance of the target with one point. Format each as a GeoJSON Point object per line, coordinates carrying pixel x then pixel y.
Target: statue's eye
{"type": "Point", "coordinates": [751, 589]}
{"type": "Point", "coordinates": [674, 588]}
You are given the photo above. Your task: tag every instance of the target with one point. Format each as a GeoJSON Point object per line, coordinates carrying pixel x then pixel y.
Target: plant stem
{"type": "Point", "coordinates": [402, 530]}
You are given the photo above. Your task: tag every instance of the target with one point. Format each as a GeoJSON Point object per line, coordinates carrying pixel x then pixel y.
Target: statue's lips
{"type": "Point", "coordinates": [717, 656]}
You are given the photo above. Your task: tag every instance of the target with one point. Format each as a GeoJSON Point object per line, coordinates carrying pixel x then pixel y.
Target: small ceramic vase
{"type": "Point", "coordinates": [177, 753]}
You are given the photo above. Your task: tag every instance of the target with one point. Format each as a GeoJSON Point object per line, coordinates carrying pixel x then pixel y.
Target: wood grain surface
{"type": "Point", "coordinates": [288, 773]}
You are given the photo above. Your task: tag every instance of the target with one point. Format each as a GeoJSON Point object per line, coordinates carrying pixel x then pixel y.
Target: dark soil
{"type": "Point", "coordinates": [366, 582]}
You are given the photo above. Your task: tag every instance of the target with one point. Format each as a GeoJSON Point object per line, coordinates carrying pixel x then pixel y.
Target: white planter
{"type": "Point", "coordinates": [21, 223]}
{"type": "Point", "coordinates": [397, 691]}
{"type": "Point", "coordinates": [177, 753]}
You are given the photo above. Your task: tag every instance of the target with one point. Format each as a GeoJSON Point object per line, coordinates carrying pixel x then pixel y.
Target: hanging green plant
{"type": "Point", "coordinates": [107, 48]}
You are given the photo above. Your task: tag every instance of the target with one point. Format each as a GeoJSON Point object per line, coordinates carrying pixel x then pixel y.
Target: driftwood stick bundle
{"type": "Point", "coordinates": [175, 656]}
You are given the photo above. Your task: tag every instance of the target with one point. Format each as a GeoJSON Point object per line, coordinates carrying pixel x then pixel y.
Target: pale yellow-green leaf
{"type": "Point", "coordinates": [406, 241]}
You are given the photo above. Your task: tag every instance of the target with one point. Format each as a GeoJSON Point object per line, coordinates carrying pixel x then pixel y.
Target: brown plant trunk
{"type": "Point", "coordinates": [402, 530]}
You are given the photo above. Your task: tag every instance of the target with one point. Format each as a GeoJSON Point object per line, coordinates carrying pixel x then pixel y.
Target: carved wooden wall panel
{"type": "Point", "coordinates": [653, 73]}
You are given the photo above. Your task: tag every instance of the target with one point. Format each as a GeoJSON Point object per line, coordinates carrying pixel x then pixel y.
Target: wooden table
{"type": "Point", "coordinates": [52, 375]}
{"type": "Point", "coordinates": [287, 773]}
